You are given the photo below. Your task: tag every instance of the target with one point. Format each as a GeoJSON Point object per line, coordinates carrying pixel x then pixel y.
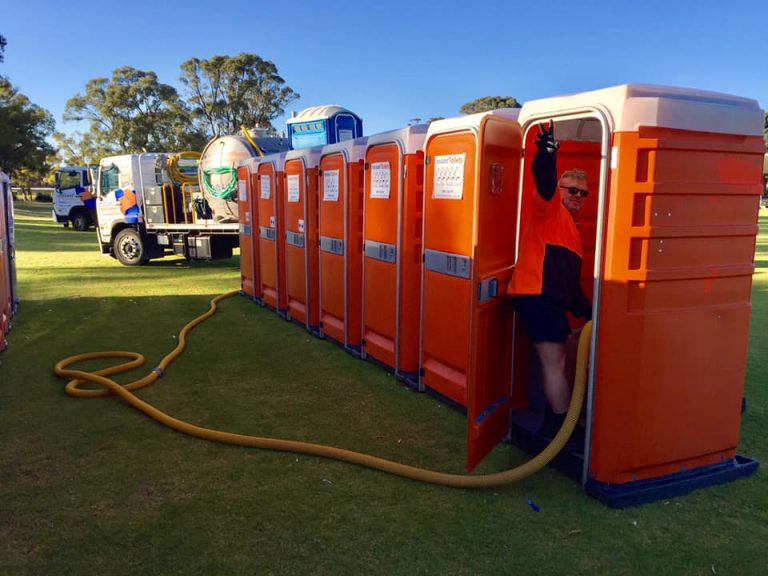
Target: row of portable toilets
{"type": "Point", "coordinates": [400, 246]}
{"type": "Point", "coordinates": [8, 297]}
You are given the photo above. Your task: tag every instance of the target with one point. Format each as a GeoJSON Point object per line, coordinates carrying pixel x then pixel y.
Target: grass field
{"type": "Point", "coordinates": [93, 487]}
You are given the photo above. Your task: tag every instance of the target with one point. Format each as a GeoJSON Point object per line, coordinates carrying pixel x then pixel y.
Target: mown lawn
{"type": "Point", "coordinates": [93, 487]}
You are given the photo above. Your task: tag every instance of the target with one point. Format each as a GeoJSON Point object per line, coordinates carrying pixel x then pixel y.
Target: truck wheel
{"type": "Point", "coordinates": [80, 221]}
{"type": "Point", "coordinates": [129, 247]}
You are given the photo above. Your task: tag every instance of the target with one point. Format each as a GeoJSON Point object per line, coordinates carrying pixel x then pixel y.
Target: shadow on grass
{"type": "Point", "coordinates": [245, 370]}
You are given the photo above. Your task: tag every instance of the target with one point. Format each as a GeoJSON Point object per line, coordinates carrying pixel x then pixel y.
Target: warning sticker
{"type": "Point", "coordinates": [242, 194]}
{"type": "Point", "coordinates": [265, 184]}
{"type": "Point", "coordinates": [380, 180]}
{"type": "Point", "coordinates": [331, 186]}
{"type": "Point", "coordinates": [448, 181]}
{"type": "Point", "coordinates": [293, 188]}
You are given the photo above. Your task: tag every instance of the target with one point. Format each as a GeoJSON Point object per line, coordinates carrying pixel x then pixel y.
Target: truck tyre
{"type": "Point", "coordinates": [129, 247]}
{"type": "Point", "coordinates": [80, 221]}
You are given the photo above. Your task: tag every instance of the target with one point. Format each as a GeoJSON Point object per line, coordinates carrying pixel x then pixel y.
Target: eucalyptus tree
{"type": "Point", "coordinates": [487, 103]}
{"type": "Point", "coordinates": [224, 93]}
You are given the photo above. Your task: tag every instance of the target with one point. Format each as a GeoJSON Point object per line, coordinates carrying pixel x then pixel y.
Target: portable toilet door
{"type": "Point", "coordinates": [249, 250]}
{"type": "Point", "coordinates": [393, 205]}
{"type": "Point", "coordinates": [6, 297]}
{"type": "Point", "coordinates": [674, 230]}
{"type": "Point", "coordinates": [470, 210]}
{"type": "Point", "coordinates": [301, 237]}
{"type": "Point", "coordinates": [269, 196]}
{"type": "Point", "coordinates": [340, 222]}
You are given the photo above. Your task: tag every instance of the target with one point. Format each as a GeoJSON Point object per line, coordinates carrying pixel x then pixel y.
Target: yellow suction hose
{"type": "Point", "coordinates": [110, 387]}
{"type": "Point", "coordinates": [256, 147]}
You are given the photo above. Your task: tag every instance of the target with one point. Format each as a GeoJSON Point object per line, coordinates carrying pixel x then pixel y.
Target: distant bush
{"type": "Point", "coordinates": [41, 197]}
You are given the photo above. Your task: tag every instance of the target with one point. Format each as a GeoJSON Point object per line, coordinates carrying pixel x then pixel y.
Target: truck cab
{"type": "Point", "coordinates": [74, 200]}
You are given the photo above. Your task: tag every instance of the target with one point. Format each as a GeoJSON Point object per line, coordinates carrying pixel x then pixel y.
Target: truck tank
{"type": "Point", "coordinates": [217, 169]}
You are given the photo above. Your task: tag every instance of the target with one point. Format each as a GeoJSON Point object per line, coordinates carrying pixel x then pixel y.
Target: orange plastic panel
{"type": "Point", "coordinates": [340, 227]}
{"type": "Point", "coordinates": [248, 236]}
{"type": "Point", "coordinates": [301, 245]}
{"type": "Point", "coordinates": [271, 230]}
{"type": "Point", "coordinates": [382, 212]}
{"type": "Point", "coordinates": [5, 272]}
{"type": "Point", "coordinates": [448, 228]}
{"type": "Point", "coordinates": [469, 244]}
{"type": "Point", "coordinates": [490, 358]}
{"type": "Point", "coordinates": [410, 263]}
{"type": "Point", "coordinates": [392, 271]}
{"type": "Point", "coordinates": [675, 302]}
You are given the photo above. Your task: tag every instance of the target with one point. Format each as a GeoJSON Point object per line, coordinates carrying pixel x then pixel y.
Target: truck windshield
{"type": "Point", "coordinates": [110, 178]}
{"type": "Point", "coordinates": [66, 180]}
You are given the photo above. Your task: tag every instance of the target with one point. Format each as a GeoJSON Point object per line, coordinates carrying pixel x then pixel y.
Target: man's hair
{"type": "Point", "coordinates": [576, 174]}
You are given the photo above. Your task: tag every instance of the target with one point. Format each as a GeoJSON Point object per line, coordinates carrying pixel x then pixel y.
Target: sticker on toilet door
{"type": "Point", "coordinates": [331, 186]}
{"type": "Point", "coordinates": [293, 188]}
{"type": "Point", "coordinates": [448, 183]}
{"type": "Point", "coordinates": [380, 180]}
{"type": "Point", "coordinates": [265, 183]}
{"type": "Point", "coordinates": [242, 193]}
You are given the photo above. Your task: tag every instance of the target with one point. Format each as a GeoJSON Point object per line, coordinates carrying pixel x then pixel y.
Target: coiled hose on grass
{"type": "Point", "coordinates": [110, 387]}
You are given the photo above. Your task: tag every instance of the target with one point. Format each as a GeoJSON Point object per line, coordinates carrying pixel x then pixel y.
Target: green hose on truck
{"type": "Point", "coordinates": [126, 392]}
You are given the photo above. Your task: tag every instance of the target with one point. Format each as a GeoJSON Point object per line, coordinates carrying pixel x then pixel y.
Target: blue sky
{"type": "Point", "coordinates": [392, 60]}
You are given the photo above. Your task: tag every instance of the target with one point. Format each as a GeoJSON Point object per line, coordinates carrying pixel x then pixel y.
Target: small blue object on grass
{"type": "Point", "coordinates": [533, 505]}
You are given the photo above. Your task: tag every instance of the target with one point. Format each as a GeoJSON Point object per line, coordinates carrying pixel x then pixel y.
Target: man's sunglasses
{"type": "Point", "coordinates": [573, 191]}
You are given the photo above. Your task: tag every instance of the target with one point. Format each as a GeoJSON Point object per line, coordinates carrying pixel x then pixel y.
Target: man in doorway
{"type": "Point", "coordinates": [546, 281]}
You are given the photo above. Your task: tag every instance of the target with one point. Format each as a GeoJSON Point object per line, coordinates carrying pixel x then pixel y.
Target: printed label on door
{"type": "Point", "coordinates": [380, 180]}
{"type": "Point", "coordinates": [293, 188]}
{"type": "Point", "coordinates": [265, 184]}
{"type": "Point", "coordinates": [331, 186]}
{"type": "Point", "coordinates": [448, 183]}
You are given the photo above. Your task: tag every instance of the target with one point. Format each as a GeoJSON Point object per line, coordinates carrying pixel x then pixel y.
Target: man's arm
{"type": "Point", "coordinates": [544, 166]}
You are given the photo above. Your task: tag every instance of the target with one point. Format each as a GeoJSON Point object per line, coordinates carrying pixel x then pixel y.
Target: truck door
{"type": "Point", "coordinates": [66, 196]}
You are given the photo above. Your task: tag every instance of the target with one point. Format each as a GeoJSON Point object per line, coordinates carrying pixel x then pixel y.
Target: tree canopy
{"type": "Point", "coordinates": [24, 127]}
{"type": "Point", "coordinates": [224, 93]}
{"type": "Point", "coordinates": [131, 112]}
{"type": "Point", "coordinates": [487, 103]}
{"type": "Point", "coordinates": [3, 43]}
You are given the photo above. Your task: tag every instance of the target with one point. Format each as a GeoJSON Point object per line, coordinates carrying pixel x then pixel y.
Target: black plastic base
{"type": "Point", "coordinates": [524, 433]}
{"type": "Point", "coordinates": [570, 461]}
{"type": "Point", "coordinates": [379, 363]}
{"type": "Point", "coordinates": [644, 491]}
{"type": "Point", "coordinates": [410, 379]}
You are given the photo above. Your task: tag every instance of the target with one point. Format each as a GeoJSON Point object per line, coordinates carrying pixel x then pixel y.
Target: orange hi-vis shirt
{"type": "Point", "coordinates": [549, 260]}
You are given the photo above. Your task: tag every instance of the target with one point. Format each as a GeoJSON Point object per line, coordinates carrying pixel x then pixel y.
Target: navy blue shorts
{"type": "Point", "coordinates": [544, 319]}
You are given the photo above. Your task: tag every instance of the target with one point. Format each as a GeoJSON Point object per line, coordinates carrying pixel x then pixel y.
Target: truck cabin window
{"type": "Point", "coordinates": [67, 180]}
{"type": "Point", "coordinates": [110, 179]}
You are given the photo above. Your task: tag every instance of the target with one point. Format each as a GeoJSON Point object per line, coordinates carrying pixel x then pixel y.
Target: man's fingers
{"type": "Point", "coordinates": [552, 128]}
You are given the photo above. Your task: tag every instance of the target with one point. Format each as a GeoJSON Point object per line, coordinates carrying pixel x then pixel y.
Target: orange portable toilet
{"type": "Point", "coordinates": [301, 236]}
{"type": "Point", "coordinates": [249, 248]}
{"type": "Point", "coordinates": [668, 233]}
{"type": "Point", "coordinates": [7, 263]}
{"type": "Point", "coordinates": [340, 223]}
{"type": "Point", "coordinates": [269, 198]}
{"type": "Point", "coordinates": [470, 199]}
{"type": "Point", "coordinates": [393, 205]}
